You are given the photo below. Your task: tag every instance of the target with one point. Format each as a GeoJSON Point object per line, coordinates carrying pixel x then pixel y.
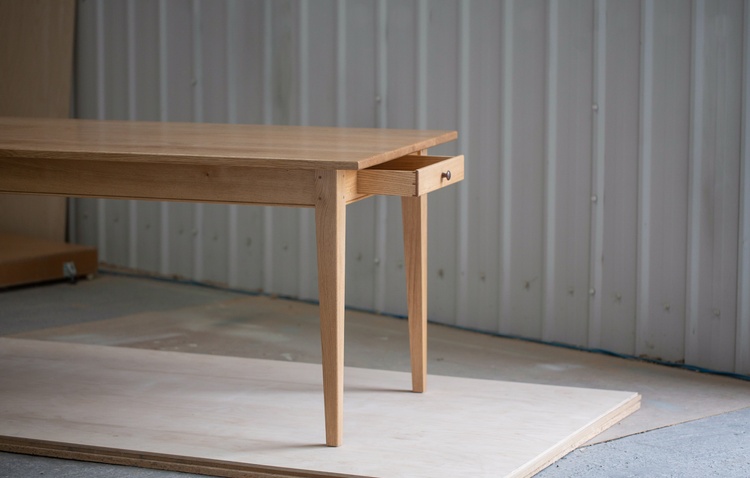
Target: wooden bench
{"type": "Point", "coordinates": [324, 168]}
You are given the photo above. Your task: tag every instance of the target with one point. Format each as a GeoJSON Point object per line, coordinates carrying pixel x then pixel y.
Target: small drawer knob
{"type": "Point", "coordinates": [446, 175]}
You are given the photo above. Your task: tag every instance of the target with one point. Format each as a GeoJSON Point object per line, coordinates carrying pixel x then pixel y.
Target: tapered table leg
{"type": "Point", "coordinates": [414, 212]}
{"type": "Point", "coordinates": [330, 227]}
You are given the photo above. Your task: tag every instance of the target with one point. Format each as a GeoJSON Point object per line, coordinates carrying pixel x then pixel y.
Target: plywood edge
{"type": "Point", "coordinates": [156, 461]}
{"type": "Point", "coordinates": [619, 412]}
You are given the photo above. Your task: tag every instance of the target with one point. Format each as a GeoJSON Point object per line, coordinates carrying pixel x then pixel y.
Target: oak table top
{"type": "Point", "coordinates": [266, 146]}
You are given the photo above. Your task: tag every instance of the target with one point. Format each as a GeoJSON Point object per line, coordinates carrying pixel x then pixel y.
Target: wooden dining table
{"type": "Point", "coordinates": [325, 168]}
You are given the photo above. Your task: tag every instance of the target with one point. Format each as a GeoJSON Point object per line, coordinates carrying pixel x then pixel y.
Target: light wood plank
{"type": "Point", "coordinates": [330, 228]}
{"type": "Point", "coordinates": [226, 416]}
{"type": "Point", "coordinates": [302, 147]}
{"type": "Point", "coordinates": [414, 212]}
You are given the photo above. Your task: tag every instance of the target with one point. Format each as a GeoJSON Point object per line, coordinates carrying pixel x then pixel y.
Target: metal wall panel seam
{"type": "Point", "coordinates": [232, 247]}
{"type": "Point", "coordinates": [267, 249]}
{"type": "Point", "coordinates": [742, 354]}
{"type": "Point", "coordinates": [133, 234]}
{"type": "Point", "coordinates": [598, 106]}
{"type": "Point", "coordinates": [132, 115]}
{"type": "Point", "coordinates": [726, 184]}
{"type": "Point", "coordinates": [77, 95]}
{"type": "Point", "coordinates": [381, 202]}
{"type": "Point", "coordinates": [163, 53]}
{"type": "Point", "coordinates": [163, 115]}
{"type": "Point", "coordinates": [101, 205]}
{"type": "Point", "coordinates": [462, 231]}
{"type": "Point", "coordinates": [197, 117]}
{"type": "Point", "coordinates": [550, 134]}
{"type": "Point", "coordinates": [421, 60]}
{"type": "Point", "coordinates": [619, 204]}
{"type": "Point", "coordinates": [303, 76]}
{"type": "Point", "coordinates": [71, 235]}
{"type": "Point", "coordinates": [100, 46]}
{"type": "Point", "coordinates": [644, 176]}
{"type": "Point", "coordinates": [197, 52]}
{"type": "Point", "coordinates": [506, 169]}
{"type": "Point", "coordinates": [694, 182]}
{"type": "Point", "coordinates": [303, 258]}
{"type": "Point", "coordinates": [197, 232]}
{"type": "Point", "coordinates": [132, 90]}
{"type": "Point", "coordinates": [341, 63]}
{"type": "Point", "coordinates": [381, 224]}
{"type": "Point", "coordinates": [233, 26]}
{"type": "Point", "coordinates": [164, 238]}
{"type": "Point", "coordinates": [116, 99]}
{"type": "Point", "coordinates": [72, 218]}
{"type": "Point", "coordinates": [267, 119]}
{"type": "Point", "coordinates": [381, 46]}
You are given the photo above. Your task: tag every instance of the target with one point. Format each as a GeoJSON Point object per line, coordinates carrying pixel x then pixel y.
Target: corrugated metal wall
{"type": "Point", "coordinates": [607, 200]}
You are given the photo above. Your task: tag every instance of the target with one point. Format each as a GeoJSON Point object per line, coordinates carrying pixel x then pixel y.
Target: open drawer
{"type": "Point", "coordinates": [411, 175]}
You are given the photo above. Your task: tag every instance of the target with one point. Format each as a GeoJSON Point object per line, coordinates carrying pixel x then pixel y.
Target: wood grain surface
{"type": "Point", "coordinates": [158, 181]}
{"type": "Point", "coordinates": [298, 147]}
{"type": "Point", "coordinates": [330, 229]}
{"type": "Point", "coordinates": [225, 415]}
{"type": "Point", "coordinates": [411, 175]}
{"type": "Point", "coordinates": [414, 213]}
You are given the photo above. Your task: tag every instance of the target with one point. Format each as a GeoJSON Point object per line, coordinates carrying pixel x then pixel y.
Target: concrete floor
{"type": "Point", "coordinates": [718, 446]}
{"type": "Point", "coordinates": [669, 436]}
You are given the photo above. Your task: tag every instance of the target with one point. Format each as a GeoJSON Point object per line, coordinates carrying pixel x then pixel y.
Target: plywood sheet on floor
{"type": "Point", "coordinates": [269, 413]}
{"type": "Point", "coordinates": [263, 327]}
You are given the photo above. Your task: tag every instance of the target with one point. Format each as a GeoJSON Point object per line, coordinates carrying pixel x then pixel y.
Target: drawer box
{"type": "Point", "coordinates": [411, 175]}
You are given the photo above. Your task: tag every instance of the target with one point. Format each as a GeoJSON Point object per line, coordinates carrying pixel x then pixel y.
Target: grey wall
{"type": "Point", "coordinates": [606, 202]}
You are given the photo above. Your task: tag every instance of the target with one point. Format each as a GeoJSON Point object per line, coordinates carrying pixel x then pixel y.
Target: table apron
{"type": "Point", "coordinates": [166, 182]}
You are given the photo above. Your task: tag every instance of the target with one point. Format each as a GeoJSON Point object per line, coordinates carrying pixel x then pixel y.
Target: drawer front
{"type": "Point", "coordinates": [411, 175]}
